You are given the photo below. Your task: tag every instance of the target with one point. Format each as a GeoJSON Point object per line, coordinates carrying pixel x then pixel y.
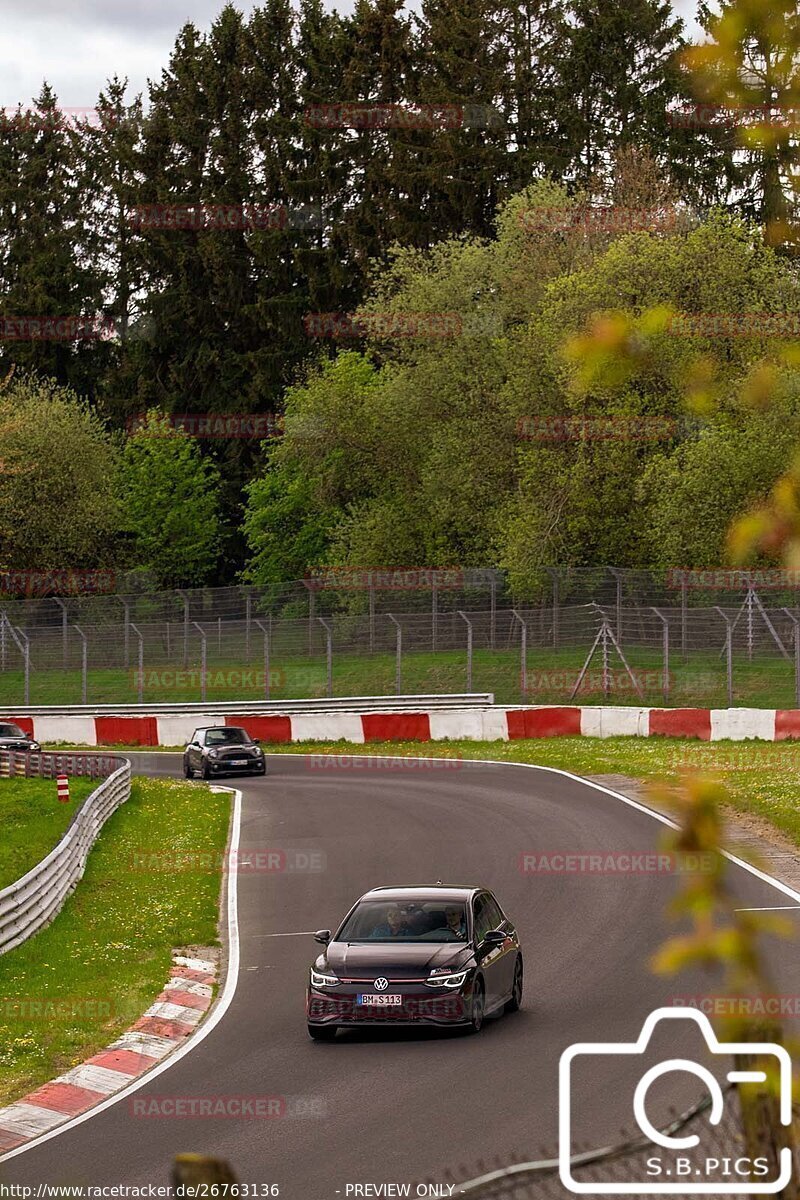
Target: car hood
{"type": "Point", "coordinates": [412, 959]}
{"type": "Point", "coordinates": [14, 743]}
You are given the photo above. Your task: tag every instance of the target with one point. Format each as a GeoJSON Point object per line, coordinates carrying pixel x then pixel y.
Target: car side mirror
{"type": "Point", "coordinates": [323, 936]}
{"type": "Point", "coordinates": [495, 937]}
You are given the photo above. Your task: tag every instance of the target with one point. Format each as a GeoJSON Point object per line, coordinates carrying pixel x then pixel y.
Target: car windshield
{"type": "Point", "coordinates": [227, 737]}
{"type": "Point", "coordinates": [388, 921]}
{"type": "Point", "coordinates": [11, 731]}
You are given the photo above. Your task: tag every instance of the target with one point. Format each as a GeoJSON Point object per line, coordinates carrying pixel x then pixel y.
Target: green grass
{"type": "Point", "coordinates": [74, 987]}
{"type": "Point", "coordinates": [33, 821]}
{"type": "Point", "coordinates": [766, 682]}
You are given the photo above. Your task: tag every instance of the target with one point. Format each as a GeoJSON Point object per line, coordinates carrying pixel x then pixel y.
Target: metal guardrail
{"type": "Point", "coordinates": [254, 707]}
{"type": "Point", "coordinates": [34, 900]}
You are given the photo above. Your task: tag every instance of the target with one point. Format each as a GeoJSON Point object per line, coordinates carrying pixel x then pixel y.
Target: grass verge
{"type": "Point", "coordinates": [33, 821]}
{"type": "Point", "coordinates": [152, 883]}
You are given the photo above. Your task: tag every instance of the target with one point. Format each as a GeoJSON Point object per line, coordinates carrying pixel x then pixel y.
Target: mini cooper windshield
{"type": "Point", "coordinates": [382, 921]}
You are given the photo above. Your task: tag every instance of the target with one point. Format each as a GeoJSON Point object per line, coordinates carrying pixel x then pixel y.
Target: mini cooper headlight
{"type": "Point", "coordinates": [444, 977]}
{"type": "Point", "coordinates": [319, 980]}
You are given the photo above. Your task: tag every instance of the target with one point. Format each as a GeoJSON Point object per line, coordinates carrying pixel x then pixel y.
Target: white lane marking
{"type": "Point", "coordinates": [772, 908]}
{"type": "Point", "coordinates": [219, 1011]}
{"type": "Point", "coordinates": [302, 933]}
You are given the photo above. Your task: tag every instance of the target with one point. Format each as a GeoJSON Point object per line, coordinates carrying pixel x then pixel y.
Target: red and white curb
{"type": "Point", "coordinates": [168, 1023]}
{"type": "Point", "coordinates": [486, 724]}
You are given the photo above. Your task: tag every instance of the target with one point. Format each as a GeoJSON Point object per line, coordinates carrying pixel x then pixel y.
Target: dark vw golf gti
{"type": "Point", "coordinates": [416, 956]}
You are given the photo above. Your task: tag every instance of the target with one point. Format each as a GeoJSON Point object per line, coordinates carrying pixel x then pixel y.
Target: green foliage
{"type": "Point", "coordinates": [169, 498]}
{"type": "Point", "coordinates": [57, 503]}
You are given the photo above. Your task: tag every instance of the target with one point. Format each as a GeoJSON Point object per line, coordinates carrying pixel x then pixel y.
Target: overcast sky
{"type": "Point", "coordinates": [77, 44]}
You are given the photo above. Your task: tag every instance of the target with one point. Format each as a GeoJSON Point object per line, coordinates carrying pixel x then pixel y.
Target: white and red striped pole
{"type": "Point", "coordinates": [62, 783]}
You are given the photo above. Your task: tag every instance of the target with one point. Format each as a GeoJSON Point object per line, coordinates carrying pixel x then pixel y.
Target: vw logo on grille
{"type": "Point", "coordinates": [381, 984]}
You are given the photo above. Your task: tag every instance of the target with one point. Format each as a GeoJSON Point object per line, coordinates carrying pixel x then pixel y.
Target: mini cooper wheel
{"type": "Point", "coordinates": [322, 1033]}
{"type": "Point", "coordinates": [514, 1003]}
{"type": "Point", "coordinates": [188, 771]}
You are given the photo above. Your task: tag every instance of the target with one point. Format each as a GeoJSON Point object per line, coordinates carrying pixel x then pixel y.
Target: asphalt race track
{"type": "Point", "coordinates": [379, 1106]}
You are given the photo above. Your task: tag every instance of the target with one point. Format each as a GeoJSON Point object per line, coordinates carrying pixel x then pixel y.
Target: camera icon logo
{"type": "Point", "coordinates": [693, 1174]}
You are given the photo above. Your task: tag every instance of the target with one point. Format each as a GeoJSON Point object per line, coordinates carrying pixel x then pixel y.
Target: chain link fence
{"type": "Point", "coordinates": [603, 636]}
{"type": "Point", "coordinates": [623, 1164]}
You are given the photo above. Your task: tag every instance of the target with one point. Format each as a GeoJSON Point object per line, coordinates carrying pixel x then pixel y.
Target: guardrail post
{"type": "Point", "coordinates": [523, 654]}
{"type": "Point", "coordinates": [466, 619]}
{"type": "Point", "coordinates": [728, 652]}
{"type": "Point", "coordinates": [84, 662]}
{"type": "Point", "coordinates": [398, 672]}
{"type": "Point", "coordinates": [328, 653]}
{"type": "Point", "coordinates": [203, 660]}
{"type": "Point", "coordinates": [140, 686]}
{"type": "Point", "coordinates": [264, 629]}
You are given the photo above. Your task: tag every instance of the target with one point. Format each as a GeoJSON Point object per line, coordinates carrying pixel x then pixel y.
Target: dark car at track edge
{"type": "Point", "coordinates": [436, 955]}
{"type": "Point", "coordinates": [217, 750]}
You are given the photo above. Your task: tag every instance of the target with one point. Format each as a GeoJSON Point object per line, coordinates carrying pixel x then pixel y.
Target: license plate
{"type": "Point", "coordinates": [380, 1001]}
{"type": "Point", "coordinates": [239, 762]}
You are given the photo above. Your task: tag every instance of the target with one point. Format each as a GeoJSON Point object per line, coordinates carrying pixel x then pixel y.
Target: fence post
{"type": "Point", "coordinates": [796, 634]}
{"type": "Point", "coordinates": [434, 609]}
{"type": "Point", "coordinates": [523, 655]}
{"type": "Point", "coordinates": [140, 685]}
{"type": "Point", "coordinates": [84, 662]}
{"type": "Point", "coordinates": [203, 660]}
{"type": "Point", "coordinates": [664, 653]}
{"type": "Point", "coordinates": [728, 652]}
{"type": "Point", "coordinates": [492, 612]}
{"type": "Point", "coordinates": [684, 605]}
{"type": "Point", "coordinates": [64, 635]}
{"type": "Point", "coordinates": [371, 613]}
{"type": "Point", "coordinates": [248, 616]}
{"type": "Point", "coordinates": [265, 632]}
{"type": "Point", "coordinates": [185, 599]}
{"type": "Point", "coordinates": [398, 676]}
{"type": "Point", "coordinates": [126, 631]}
{"type": "Point", "coordinates": [312, 608]}
{"type": "Point", "coordinates": [468, 623]}
{"type": "Point", "coordinates": [328, 653]}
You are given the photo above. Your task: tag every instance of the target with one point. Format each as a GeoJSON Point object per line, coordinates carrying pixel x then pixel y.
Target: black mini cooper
{"type": "Point", "coordinates": [223, 750]}
{"type": "Point", "coordinates": [438, 955]}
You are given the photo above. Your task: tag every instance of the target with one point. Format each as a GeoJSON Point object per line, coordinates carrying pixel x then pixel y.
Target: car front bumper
{"type": "Point", "coordinates": [431, 1006]}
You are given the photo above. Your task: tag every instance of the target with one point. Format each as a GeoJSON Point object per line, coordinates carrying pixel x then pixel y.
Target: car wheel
{"type": "Point", "coordinates": [478, 1008]}
{"type": "Point", "coordinates": [513, 1005]}
{"type": "Point", "coordinates": [187, 770]}
{"type": "Point", "coordinates": [205, 771]}
{"type": "Point", "coordinates": [322, 1033]}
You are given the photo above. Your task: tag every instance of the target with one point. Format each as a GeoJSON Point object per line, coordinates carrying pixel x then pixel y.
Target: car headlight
{"type": "Point", "coordinates": [213, 754]}
{"type": "Point", "coordinates": [34, 747]}
{"type": "Point", "coordinates": [319, 980]}
{"type": "Point", "coordinates": [444, 977]}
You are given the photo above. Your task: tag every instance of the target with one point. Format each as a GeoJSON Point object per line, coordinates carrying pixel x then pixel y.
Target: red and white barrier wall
{"type": "Point", "coordinates": [490, 723]}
